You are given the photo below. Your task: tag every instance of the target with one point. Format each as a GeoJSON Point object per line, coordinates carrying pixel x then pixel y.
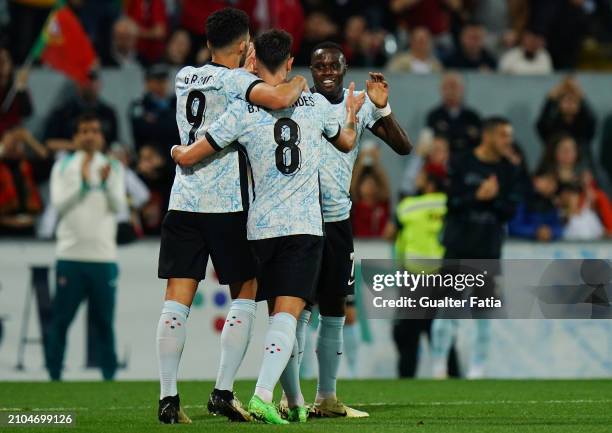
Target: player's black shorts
{"type": "Point", "coordinates": [288, 266]}
{"type": "Point", "coordinates": [188, 238]}
{"type": "Point", "coordinates": [338, 266]}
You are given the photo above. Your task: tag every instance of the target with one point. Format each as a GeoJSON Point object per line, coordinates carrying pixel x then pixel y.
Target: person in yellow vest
{"type": "Point", "coordinates": [419, 221]}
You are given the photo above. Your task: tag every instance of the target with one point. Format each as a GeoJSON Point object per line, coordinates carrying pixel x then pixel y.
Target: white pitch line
{"type": "Point", "coordinates": [428, 403]}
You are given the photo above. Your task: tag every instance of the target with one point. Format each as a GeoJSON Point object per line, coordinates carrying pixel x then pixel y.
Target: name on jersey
{"type": "Point", "coordinates": [302, 101]}
{"type": "Point", "coordinates": [196, 79]}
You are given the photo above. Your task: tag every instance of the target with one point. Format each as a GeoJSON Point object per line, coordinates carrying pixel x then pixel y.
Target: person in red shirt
{"type": "Point", "coordinates": [20, 200]}
{"type": "Point", "coordinates": [370, 191]}
{"type": "Point", "coordinates": [152, 20]}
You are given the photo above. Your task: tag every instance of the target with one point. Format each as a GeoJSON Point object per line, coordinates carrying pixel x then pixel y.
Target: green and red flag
{"type": "Point", "coordinates": [64, 45]}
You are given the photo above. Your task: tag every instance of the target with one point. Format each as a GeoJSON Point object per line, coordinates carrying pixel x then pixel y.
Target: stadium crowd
{"type": "Point", "coordinates": [563, 197]}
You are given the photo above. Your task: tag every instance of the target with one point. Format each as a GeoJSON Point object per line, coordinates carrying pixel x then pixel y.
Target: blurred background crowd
{"type": "Point", "coordinates": [566, 197]}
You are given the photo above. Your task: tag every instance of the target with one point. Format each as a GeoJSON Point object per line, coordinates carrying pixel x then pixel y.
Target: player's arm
{"type": "Point", "coordinates": [345, 140]}
{"type": "Point", "coordinates": [386, 128]}
{"type": "Point", "coordinates": [224, 131]}
{"type": "Point", "coordinates": [277, 97]}
{"type": "Point", "coordinates": [188, 155]}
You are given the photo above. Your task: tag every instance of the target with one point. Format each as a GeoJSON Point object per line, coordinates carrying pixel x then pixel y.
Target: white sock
{"type": "Point", "coordinates": [300, 333]}
{"type": "Point", "coordinates": [235, 339]}
{"type": "Point", "coordinates": [351, 347]}
{"type": "Point", "coordinates": [278, 346]}
{"type": "Point", "coordinates": [290, 379]}
{"type": "Point", "coordinates": [329, 351]}
{"type": "Point", "coordinates": [171, 333]}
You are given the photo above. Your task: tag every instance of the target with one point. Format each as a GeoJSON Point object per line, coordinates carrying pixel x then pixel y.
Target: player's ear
{"type": "Point", "coordinates": [209, 46]}
{"type": "Point", "coordinates": [243, 46]}
{"type": "Point", "coordinates": [289, 64]}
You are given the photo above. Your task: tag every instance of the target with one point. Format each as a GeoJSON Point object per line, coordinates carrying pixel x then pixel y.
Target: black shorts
{"type": "Point", "coordinates": [188, 238]}
{"type": "Point", "coordinates": [288, 266]}
{"type": "Point", "coordinates": [338, 266]}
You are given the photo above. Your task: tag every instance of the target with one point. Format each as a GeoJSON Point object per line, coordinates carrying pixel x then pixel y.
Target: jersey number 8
{"type": "Point", "coordinates": [196, 118]}
{"type": "Point", "coordinates": [287, 137]}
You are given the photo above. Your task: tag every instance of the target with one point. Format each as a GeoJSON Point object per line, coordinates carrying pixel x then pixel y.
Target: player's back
{"type": "Point", "coordinates": [284, 148]}
{"type": "Point", "coordinates": [213, 185]}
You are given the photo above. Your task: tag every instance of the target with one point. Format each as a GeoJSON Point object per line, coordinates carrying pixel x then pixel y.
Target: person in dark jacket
{"type": "Point", "coordinates": [153, 116]}
{"type": "Point", "coordinates": [485, 190]}
{"type": "Point", "coordinates": [566, 111]}
{"type": "Point", "coordinates": [61, 123]}
{"type": "Point", "coordinates": [452, 119]}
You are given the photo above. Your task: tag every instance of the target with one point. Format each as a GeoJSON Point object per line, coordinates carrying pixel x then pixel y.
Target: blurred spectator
{"type": "Point", "coordinates": [497, 17]}
{"type": "Point", "coordinates": [318, 28]}
{"type": "Point", "coordinates": [452, 119]}
{"type": "Point", "coordinates": [420, 220]}
{"type": "Point", "coordinates": [60, 123]}
{"type": "Point", "coordinates": [530, 57]}
{"type": "Point", "coordinates": [26, 20]}
{"type": "Point", "coordinates": [581, 222]}
{"type": "Point", "coordinates": [21, 105]}
{"type": "Point", "coordinates": [152, 21]}
{"type": "Point", "coordinates": [370, 190]}
{"type": "Point", "coordinates": [431, 14]}
{"type": "Point", "coordinates": [354, 29]}
{"type": "Point", "coordinates": [538, 217]}
{"type": "Point", "coordinates": [432, 155]}
{"type": "Point", "coordinates": [158, 175]}
{"type": "Point", "coordinates": [286, 15]}
{"type": "Point", "coordinates": [20, 200]}
{"type": "Point", "coordinates": [564, 24]}
{"type": "Point", "coordinates": [419, 59]}
{"type": "Point", "coordinates": [371, 49]}
{"type": "Point", "coordinates": [178, 48]}
{"type": "Point", "coordinates": [153, 117]}
{"type": "Point", "coordinates": [87, 190]}
{"type": "Point", "coordinates": [194, 13]}
{"type": "Point", "coordinates": [129, 226]}
{"type": "Point", "coordinates": [563, 161]}
{"type": "Point", "coordinates": [606, 147]}
{"type": "Point", "coordinates": [567, 111]}
{"type": "Point", "coordinates": [471, 53]}
{"type": "Point", "coordinates": [123, 52]}
{"type": "Point", "coordinates": [98, 18]}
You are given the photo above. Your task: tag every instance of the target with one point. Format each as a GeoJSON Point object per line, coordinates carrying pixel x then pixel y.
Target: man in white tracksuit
{"type": "Point", "coordinates": [87, 190]}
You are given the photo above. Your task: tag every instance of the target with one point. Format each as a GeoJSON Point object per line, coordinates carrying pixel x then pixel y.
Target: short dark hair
{"type": "Point", "coordinates": [327, 45]}
{"type": "Point", "coordinates": [272, 48]}
{"type": "Point", "coordinates": [491, 123]}
{"type": "Point", "coordinates": [85, 117]}
{"type": "Point", "coordinates": [226, 26]}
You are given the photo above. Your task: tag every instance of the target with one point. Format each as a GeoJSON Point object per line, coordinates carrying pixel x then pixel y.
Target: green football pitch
{"type": "Point", "coordinates": [394, 406]}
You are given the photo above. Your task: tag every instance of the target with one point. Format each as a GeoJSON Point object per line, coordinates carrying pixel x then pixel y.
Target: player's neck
{"type": "Point", "coordinates": [273, 79]}
{"type": "Point", "coordinates": [230, 61]}
{"type": "Point", "coordinates": [487, 154]}
{"type": "Point", "coordinates": [335, 98]}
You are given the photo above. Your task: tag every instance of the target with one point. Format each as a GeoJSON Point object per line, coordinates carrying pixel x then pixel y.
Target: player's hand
{"type": "Point", "coordinates": [105, 172]}
{"type": "Point", "coordinates": [302, 82]}
{"type": "Point", "coordinates": [354, 103]}
{"type": "Point", "coordinates": [177, 151]}
{"type": "Point", "coordinates": [544, 233]}
{"type": "Point", "coordinates": [249, 63]}
{"type": "Point", "coordinates": [378, 89]}
{"type": "Point", "coordinates": [488, 189]}
{"type": "Point", "coordinates": [85, 167]}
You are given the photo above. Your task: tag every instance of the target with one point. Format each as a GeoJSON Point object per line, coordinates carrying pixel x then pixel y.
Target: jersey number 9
{"type": "Point", "coordinates": [197, 100]}
{"type": "Point", "coordinates": [287, 137]}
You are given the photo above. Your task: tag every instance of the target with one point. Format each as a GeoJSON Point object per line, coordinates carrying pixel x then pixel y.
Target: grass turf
{"type": "Point", "coordinates": [394, 406]}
